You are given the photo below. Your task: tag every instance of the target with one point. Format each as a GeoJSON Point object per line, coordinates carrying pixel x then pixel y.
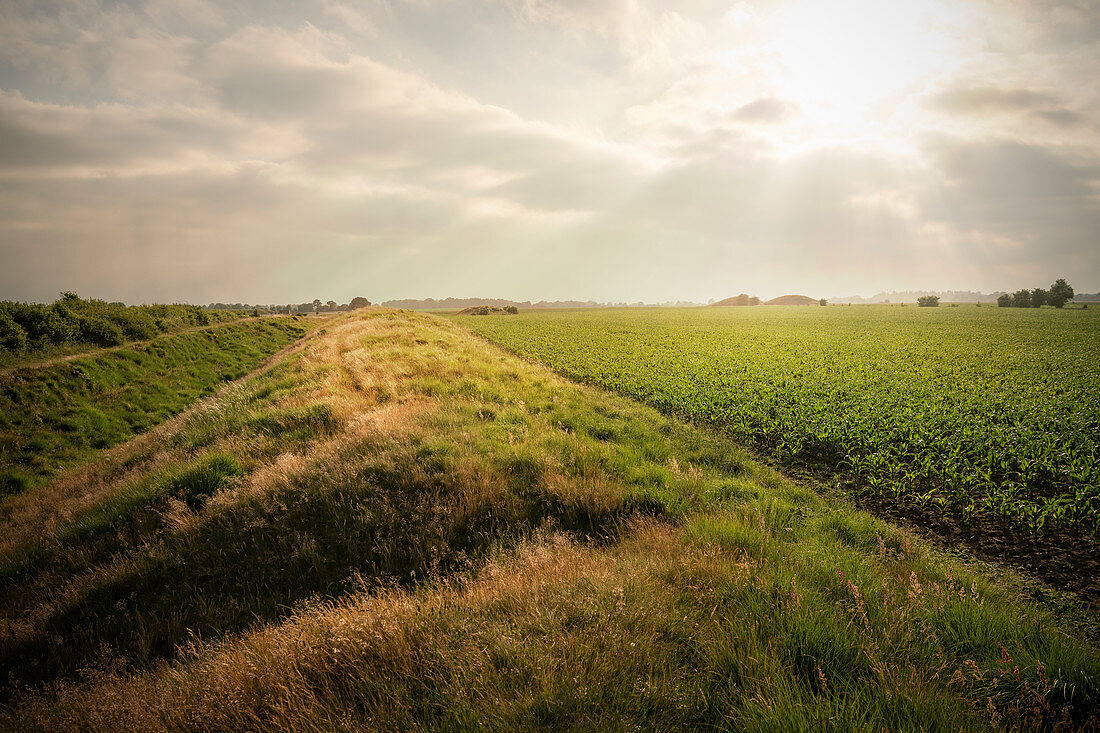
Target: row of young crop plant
{"type": "Point", "coordinates": [973, 412]}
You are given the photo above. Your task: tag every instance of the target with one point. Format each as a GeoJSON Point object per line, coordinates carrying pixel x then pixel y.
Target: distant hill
{"type": "Point", "coordinates": [741, 299]}
{"type": "Point", "coordinates": [488, 310]}
{"type": "Point", "coordinates": [1086, 298]}
{"type": "Point", "coordinates": [793, 300]}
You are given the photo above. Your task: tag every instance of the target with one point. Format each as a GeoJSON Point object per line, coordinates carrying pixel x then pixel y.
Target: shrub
{"type": "Point", "coordinates": [60, 327]}
{"type": "Point", "coordinates": [45, 324]}
{"type": "Point", "coordinates": [1005, 301]}
{"type": "Point", "coordinates": [134, 323]}
{"type": "Point", "coordinates": [33, 326]}
{"type": "Point", "coordinates": [13, 337]}
{"type": "Point", "coordinates": [928, 301]}
{"type": "Point", "coordinates": [100, 331]}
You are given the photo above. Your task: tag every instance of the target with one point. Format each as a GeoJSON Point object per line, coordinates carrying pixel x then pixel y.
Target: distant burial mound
{"type": "Point", "coordinates": [793, 300]}
{"type": "Point", "coordinates": [741, 299]}
{"type": "Point", "coordinates": [488, 310]}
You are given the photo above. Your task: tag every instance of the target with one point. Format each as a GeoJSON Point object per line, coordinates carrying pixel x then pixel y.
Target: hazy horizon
{"type": "Point", "coordinates": [615, 151]}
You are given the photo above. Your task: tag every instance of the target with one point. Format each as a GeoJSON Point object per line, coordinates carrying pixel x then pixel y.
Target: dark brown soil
{"type": "Point", "coordinates": [1061, 559]}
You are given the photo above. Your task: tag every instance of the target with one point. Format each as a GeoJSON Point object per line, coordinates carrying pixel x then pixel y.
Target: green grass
{"type": "Point", "coordinates": [56, 416]}
{"type": "Point", "coordinates": [31, 333]}
{"type": "Point", "coordinates": [404, 528]}
{"type": "Point", "coordinates": [970, 411]}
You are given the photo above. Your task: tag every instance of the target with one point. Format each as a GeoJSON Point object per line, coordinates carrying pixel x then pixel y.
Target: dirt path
{"type": "Point", "coordinates": [34, 515]}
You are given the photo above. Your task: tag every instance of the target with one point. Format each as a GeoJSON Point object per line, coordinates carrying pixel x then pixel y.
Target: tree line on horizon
{"type": "Point", "coordinates": [1059, 293]}
{"type": "Point", "coordinates": [29, 327]}
{"type": "Point", "coordinates": [315, 306]}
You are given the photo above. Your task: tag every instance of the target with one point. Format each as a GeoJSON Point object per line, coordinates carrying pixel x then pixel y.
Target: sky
{"type": "Point", "coordinates": [264, 151]}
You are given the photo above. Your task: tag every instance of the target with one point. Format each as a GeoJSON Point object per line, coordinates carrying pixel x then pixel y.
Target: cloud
{"type": "Point", "coordinates": [1027, 205]}
{"type": "Point", "coordinates": [767, 110]}
{"type": "Point", "coordinates": [296, 141]}
{"type": "Point", "coordinates": [1061, 117]}
{"type": "Point", "coordinates": [529, 148]}
{"type": "Point", "coordinates": [971, 100]}
{"type": "Point", "coordinates": [1002, 175]}
{"type": "Point", "coordinates": [982, 101]}
{"type": "Point", "coordinates": [123, 139]}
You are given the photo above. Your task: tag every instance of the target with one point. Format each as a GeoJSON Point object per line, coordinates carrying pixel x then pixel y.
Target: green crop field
{"type": "Point", "coordinates": [972, 411]}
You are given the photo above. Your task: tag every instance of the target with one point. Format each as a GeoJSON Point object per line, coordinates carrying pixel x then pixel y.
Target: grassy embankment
{"type": "Point", "coordinates": [401, 527]}
{"type": "Point", "coordinates": [55, 416]}
{"type": "Point", "coordinates": [32, 333]}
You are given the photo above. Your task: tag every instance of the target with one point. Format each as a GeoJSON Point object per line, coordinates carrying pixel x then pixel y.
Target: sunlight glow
{"type": "Point", "coordinates": [845, 56]}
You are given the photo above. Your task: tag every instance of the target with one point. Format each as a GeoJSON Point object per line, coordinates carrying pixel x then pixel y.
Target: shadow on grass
{"type": "Point", "coordinates": [248, 562]}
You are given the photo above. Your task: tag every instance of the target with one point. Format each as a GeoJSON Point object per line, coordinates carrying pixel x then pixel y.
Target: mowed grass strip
{"type": "Point", "coordinates": [404, 528]}
{"type": "Point", "coordinates": [56, 416]}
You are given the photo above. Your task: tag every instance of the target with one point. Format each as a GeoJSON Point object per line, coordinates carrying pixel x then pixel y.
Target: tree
{"type": "Point", "coordinates": [823, 302]}
{"type": "Point", "coordinates": [1038, 298]}
{"type": "Point", "coordinates": [928, 301]}
{"type": "Point", "coordinates": [331, 305]}
{"type": "Point", "coordinates": [316, 304]}
{"type": "Point", "coordinates": [1060, 293]}
{"type": "Point", "coordinates": [1021, 299]}
{"type": "Point", "coordinates": [1005, 300]}
{"type": "Point", "coordinates": [359, 302]}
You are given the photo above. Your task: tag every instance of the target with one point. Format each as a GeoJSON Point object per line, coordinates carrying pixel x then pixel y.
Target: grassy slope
{"type": "Point", "coordinates": [162, 320]}
{"type": "Point", "coordinates": [55, 416]}
{"type": "Point", "coordinates": [402, 527]}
